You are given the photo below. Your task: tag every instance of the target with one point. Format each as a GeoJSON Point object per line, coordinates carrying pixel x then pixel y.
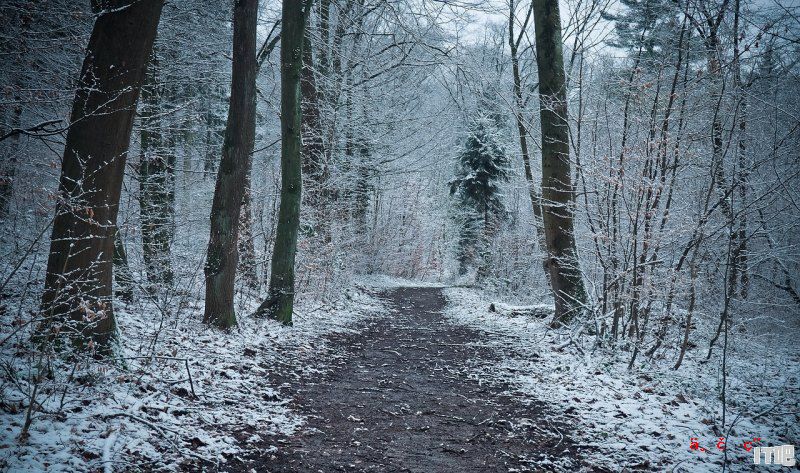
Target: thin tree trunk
{"type": "Point", "coordinates": [689, 313]}
{"type": "Point", "coordinates": [280, 298]}
{"type": "Point", "coordinates": [247, 249]}
{"type": "Point", "coordinates": [156, 178]}
{"type": "Point", "coordinates": [208, 160]}
{"type": "Point", "coordinates": [122, 272]}
{"type": "Point", "coordinates": [558, 206]}
{"type": "Point", "coordinates": [742, 177]}
{"type": "Point", "coordinates": [363, 188]}
{"type": "Point", "coordinates": [8, 162]}
{"type": "Point", "coordinates": [223, 254]}
{"type": "Point", "coordinates": [79, 268]}
{"type": "Point", "coordinates": [533, 192]}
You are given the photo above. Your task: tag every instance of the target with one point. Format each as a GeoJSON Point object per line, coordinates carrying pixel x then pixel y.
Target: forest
{"type": "Point", "coordinates": [399, 235]}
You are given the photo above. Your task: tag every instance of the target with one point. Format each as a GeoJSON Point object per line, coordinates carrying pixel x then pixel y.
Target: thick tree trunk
{"type": "Point", "coordinates": [156, 181]}
{"type": "Point", "coordinates": [313, 147]}
{"type": "Point", "coordinates": [557, 206]}
{"type": "Point", "coordinates": [79, 269]}
{"type": "Point", "coordinates": [280, 299]}
{"type": "Point", "coordinates": [9, 150]}
{"type": "Point", "coordinates": [223, 254]}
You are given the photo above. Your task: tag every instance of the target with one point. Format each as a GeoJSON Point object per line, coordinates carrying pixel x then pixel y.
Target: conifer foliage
{"type": "Point", "coordinates": [482, 167]}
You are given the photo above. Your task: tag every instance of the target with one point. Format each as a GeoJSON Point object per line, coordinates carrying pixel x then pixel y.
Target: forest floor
{"type": "Point", "coordinates": [393, 378]}
{"type": "Point", "coordinates": [435, 382]}
{"type": "Point", "coordinates": [405, 398]}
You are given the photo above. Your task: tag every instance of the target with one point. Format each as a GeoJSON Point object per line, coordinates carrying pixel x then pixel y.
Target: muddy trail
{"type": "Point", "coordinates": [404, 399]}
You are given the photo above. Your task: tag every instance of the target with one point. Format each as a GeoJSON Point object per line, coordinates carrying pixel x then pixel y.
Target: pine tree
{"type": "Point", "coordinates": [483, 165]}
{"type": "Point", "coordinates": [643, 25]}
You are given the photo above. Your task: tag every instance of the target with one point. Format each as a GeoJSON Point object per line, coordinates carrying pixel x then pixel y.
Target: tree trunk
{"type": "Point", "coordinates": [522, 130]}
{"type": "Point", "coordinates": [223, 254]}
{"type": "Point", "coordinates": [557, 206]}
{"type": "Point", "coordinates": [247, 248]}
{"type": "Point", "coordinates": [9, 151]}
{"type": "Point", "coordinates": [280, 298]}
{"type": "Point", "coordinates": [79, 269]}
{"type": "Point", "coordinates": [8, 162]}
{"type": "Point", "coordinates": [743, 164]}
{"type": "Point", "coordinates": [311, 120]}
{"type": "Point", "coordinates": [156, 179]}
{"type": "Point", "coordinates": [122, 272]}
{"type": "Point", "coordinates": [314, 171]}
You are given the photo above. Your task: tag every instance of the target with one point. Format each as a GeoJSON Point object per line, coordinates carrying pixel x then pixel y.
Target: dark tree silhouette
{"type": "Point", "coordinates": [77, 294]}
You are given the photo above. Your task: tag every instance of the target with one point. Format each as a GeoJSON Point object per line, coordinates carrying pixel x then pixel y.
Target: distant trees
{"type": "Point", "coordinates": [648, 158]}
{"type": "Point", "coordinates": [558, 203]}
{"type": "Point", "coordinates": [223, 253]}
{"type": "Point", "coordinates": [77, 293]}
{"type": "Point", "coordinates": [483, 165]}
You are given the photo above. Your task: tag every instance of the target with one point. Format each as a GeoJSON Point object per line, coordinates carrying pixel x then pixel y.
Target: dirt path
{"type": "Point", "coordinates": [402, 399]}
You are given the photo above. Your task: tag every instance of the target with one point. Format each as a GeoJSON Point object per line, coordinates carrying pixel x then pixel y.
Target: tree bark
{"type": "Point", "coordinates": [557, 206]}
{"type": "Point", "coordinates": [314, 169]}
{"type": "Point", "coordinates": [313, 148]}
{"type": "Point", "coordinates": [77, 293]}
{"type": "Point", "coordinates": [9, 151]}
{"type": "Point", "coordinates": [223, 255]}
{"type": "Point", "coordinates": [280, 298]}
{"type": "Point", "coordinates": [743, 164]}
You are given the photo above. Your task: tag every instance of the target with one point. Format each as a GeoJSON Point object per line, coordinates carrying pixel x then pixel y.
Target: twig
{"type": "Point", "coordinates": [189, 373]}
{"type": "Point", "coordinates": [22, 260]}
{"type": "Point", "coordinates": [34, 130]}
{"type": "Point", "coordinates": [171, 358]}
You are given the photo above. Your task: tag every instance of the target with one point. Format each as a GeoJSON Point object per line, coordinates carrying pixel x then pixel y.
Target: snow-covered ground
{"type": "Point", "coordinates": [645, 418]}
{"type": "Point", "coordinates": [189, 395]}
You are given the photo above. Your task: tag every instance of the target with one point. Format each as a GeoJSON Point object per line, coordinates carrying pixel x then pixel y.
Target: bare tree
{"type": "Point", "coordinates": [223, 254]}
{"type": "Point", "coordinates": [280, 298]}
{"type": "Point", "coordinates": [557, 190]}
{"type": "Point", "coordinates": [79, 268]}
{"type": "Point", "coordinates": [514, 41]}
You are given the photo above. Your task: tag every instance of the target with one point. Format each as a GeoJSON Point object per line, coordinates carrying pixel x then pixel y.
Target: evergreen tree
{"type": "Point", "coordinates": [643, 25]}
{"type": "Point", "coordinates": [483, 165]}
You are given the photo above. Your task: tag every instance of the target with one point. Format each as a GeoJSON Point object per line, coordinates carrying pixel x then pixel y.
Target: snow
{"type": "Point", "coordinates": [107, 417]}
{"type": "Point", "coordinates": [643, 418]}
